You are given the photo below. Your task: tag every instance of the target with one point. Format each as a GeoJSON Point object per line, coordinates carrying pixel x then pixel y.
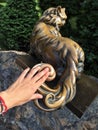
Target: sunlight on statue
{"type": "Point", "coordinates": [63, 56]}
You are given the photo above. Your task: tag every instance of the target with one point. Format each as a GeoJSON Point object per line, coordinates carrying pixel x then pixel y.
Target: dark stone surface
{"type": "Point", "coordinates": [29, 117]}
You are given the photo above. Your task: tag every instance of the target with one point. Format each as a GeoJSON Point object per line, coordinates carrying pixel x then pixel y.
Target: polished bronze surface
{"type": "Point", "coordinates": [87, 88]}
{"type": "Point", "coordinates": [64, 54]}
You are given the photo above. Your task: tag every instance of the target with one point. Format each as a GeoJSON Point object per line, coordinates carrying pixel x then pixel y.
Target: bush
{"type": "Point", "coordinates": [16, 23]}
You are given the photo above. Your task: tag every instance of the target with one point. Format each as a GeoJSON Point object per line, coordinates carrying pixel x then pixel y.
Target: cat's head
{"type": "Point", "coordinates": [54, 16]}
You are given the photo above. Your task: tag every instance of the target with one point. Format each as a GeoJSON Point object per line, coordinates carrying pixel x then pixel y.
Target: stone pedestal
{"type": "Point", "coordinates": [29, 117]}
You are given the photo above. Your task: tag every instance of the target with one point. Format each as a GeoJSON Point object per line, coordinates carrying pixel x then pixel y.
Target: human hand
{"type": "Point", "coordinates": [25, 87]}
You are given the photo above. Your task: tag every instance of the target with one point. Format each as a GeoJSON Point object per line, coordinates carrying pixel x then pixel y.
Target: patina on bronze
{"type": "Point", "coordinates": [64, 54]}
{"type": "Point", "coordinates": [86, 86]}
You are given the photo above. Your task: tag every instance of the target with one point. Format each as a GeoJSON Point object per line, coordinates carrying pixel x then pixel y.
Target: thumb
{"type": "Point", "coordinates": [36, 96]}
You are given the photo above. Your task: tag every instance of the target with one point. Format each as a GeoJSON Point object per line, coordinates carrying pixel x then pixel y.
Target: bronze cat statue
{"type": "Point", "coordinates": [63, 54]}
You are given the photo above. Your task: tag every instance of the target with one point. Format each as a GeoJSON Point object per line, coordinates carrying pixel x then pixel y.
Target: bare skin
{"type": "Point", "coordinates": [24, 88]}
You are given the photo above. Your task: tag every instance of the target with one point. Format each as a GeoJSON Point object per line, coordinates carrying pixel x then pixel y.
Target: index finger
{"type": "Point", "coordinates": [40, 74]}
{"type": "Point", "coordinates": [40, 81]}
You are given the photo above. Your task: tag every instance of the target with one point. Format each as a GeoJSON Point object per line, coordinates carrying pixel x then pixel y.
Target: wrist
{"type": "Point", "coordinates": [3, 107]}
{"type": "Point", "coordinates": [6, 100]}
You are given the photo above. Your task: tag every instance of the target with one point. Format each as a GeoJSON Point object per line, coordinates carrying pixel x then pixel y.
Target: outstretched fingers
{"type": "Point", "coordinates": [39, 79]}
{"type": "Point", "coordinates": [23, 75]}
{"type": "Point", "coordinates": [33, 72]}
{"type": "Point", "coordinates": [41, 75]}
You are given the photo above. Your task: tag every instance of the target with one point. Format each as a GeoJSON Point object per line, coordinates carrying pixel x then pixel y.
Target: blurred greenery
{"type": "Point", "coordinates": [3, 4]}
{"type": "Point", "coordinates": [16, 23]}
{"type": "Point", "coordinates": [17, 19]}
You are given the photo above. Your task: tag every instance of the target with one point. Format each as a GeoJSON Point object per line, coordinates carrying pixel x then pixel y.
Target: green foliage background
{"type": "Point", "coordinates": [18, 18]}
{"type": "Point", "coordinates": [16, 23]}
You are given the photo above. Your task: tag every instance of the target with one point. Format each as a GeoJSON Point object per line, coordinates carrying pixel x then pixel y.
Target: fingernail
{"type": "Point", "coordinates": [41, 96]}
{"type": "Point", "coordinates": [28, 68]}
{"type": "Point", "coordinates": [47, 68]}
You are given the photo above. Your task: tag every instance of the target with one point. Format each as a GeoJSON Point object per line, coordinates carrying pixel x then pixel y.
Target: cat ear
{"type": "Point", "coordinates": [59, 8]}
